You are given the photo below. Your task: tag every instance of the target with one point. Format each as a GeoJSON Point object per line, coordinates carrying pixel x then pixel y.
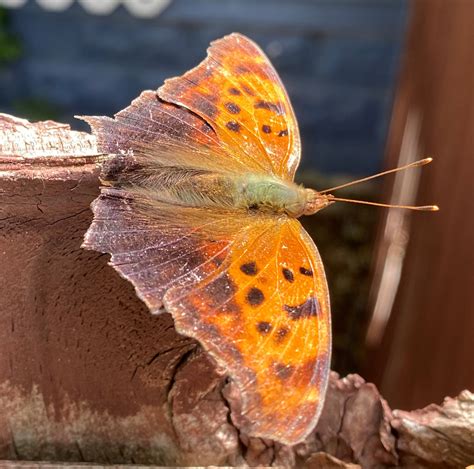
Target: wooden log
{"type": "Point", "coordinates": [88, 375]}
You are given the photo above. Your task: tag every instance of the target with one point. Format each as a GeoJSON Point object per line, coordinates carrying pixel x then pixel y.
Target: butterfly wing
{"type": "Point", "coordinates": [151, 133]}
{"type": "Point", "coordinates": [155, 253]}
{"type": "Point", "coordinates": [238, 92]}
{"type": "Point", "coordinates": [240, 119]}
{"type": "Point", "coordinates": [251, 290]}
{"type": "Point", "coordinates": [264, 317]}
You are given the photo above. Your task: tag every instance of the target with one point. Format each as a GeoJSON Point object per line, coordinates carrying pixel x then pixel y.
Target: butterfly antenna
{"type": "Point", "coordinates": [426, 208]}
{"type": "Point", "coordinates": [415, 164]}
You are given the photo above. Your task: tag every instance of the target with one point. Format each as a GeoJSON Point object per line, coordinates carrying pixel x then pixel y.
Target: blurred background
{"type": "Point", "coordinates": [374, 84]}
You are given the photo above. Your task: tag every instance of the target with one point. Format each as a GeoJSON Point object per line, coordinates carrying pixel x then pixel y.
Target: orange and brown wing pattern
{"type": "Point", "coordinates": [264, 316]}
{"type": "Point", "coordinates": [151, 123]}
{"type": "Point", "coordinates": [151, 132]}
{"type": "Point", "coordinates": [154, 254]}
{"type": "Point", "coordinates": [238, 93]}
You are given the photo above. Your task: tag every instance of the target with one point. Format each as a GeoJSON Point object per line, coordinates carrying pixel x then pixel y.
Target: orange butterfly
{"type": "Point", "coordinates": [199, 213]}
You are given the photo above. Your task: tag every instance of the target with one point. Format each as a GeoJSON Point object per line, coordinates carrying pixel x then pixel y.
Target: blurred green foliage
{"type": "Point", "coordinates": [10, 48]}
{"type": "Point", "coordinates": [30, 108]}
{"type": "Point", "coordinates": [36, 109]}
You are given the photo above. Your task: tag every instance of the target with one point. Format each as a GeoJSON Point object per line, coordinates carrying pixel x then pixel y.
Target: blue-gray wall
{"type": "Point", "coordinates": [338, 58]}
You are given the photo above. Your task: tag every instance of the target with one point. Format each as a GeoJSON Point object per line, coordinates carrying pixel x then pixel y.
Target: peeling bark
{"type": "Point", "coordinates": [87, 374]}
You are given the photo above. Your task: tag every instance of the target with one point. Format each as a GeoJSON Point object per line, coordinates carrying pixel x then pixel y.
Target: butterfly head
{"type": "Point", "coordinates": [315, 201]}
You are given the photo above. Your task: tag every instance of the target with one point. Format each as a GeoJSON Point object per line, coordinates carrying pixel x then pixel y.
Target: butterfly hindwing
{"type": "Point", "coordinates": [264, 317]}
{"type": "Point", "coordinates": [153, 253]}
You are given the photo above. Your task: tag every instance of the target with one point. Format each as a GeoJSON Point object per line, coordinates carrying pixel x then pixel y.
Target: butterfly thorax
{"type": "Point", "coordinates": [269, 194]}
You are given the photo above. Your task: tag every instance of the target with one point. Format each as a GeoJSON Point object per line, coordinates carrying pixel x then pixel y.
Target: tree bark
{"type": "Point", "coordinates": [87, 374]}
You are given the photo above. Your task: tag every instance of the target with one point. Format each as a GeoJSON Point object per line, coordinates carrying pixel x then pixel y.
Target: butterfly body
{"type": "Point", "coordinates": [198, 211]}
{"type": "Point", "coordinates": [206, 189]}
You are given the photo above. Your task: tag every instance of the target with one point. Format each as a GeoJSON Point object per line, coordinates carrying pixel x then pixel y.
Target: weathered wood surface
{"type": "Point", "coordinates": [87, 374]}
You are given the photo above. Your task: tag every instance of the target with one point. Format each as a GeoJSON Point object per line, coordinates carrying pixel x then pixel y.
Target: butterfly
{"type": "Point", "coordinates": [199, 212]}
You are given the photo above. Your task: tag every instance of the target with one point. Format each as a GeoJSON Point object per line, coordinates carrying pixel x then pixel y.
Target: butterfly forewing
{"type": "Point", "coordinates": [237, 90]}
{"type": "Point", "coordinates": [151, 133]}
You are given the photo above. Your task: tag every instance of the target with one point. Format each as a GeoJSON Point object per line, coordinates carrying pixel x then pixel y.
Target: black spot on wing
{"type": "Point", "coordinates": [248, 90]}
{"type": "Point", "coordinates": [234, 91]}
{"type": "Point", "coordinates": [232, 107]}
{"type": "Point", "coordinates": [264, 327]}
{"type": "Point", "coordinates": [305, 271]}
{"type": "Point", "coordinates": [283, 133]}
{"type": "Point", "coordinates": [249, 268]}
{"type": "Point", "coordinates": [255, 297]}
{"type": "Point", "coordinates": [240, 69]}
{"type": "Point", "coordinates": [206, 128]}
{"type": "Point", "coordinates": [269, 106]}
{"type": "Point", "coordinates": [288, 274]}
{"type": "Point", "coordinates": [219, 291]}
{"type": "Point", "coordinates": [280, 335]}
{"type": "Point", "coordinates": [305, 310]}
{"type": "Point", "coordinates": [208, 106]}
{"type": "Point", "coordinates": [283, 371]}
{"type": "Point", "coordinates": [233, 125]}
{"type": "Point", "coordinates": [266, 129]}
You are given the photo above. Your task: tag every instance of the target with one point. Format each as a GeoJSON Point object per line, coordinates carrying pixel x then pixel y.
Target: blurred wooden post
{"type": "Point", "coordinates": [420, 340]}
